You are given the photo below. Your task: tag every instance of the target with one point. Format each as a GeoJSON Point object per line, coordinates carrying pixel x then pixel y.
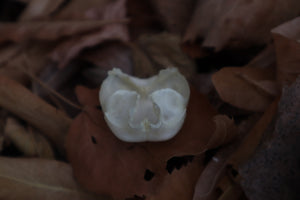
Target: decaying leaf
{"type": "Point", "coordinates": [114, 55]}
{"type": "Point", "coordinates": [238, 23]}
{"type": "Point", "coordinates": [248, 88]}
{"type": "Point", "coordinates": [182, 181]}
{"type": "Point", "coordinates": [90, 144]}
{"type": "Point", "coordinates": [265, 59]}
{"type": "Point", "coordinates": [175, 14]}
{"type": "Point", "coordinates": [50, 30]}
{"type": "Point", "coordinates": [87, 96]}
{"type": "Point", "coordinates": [163, 50]}
{"type": "Point", "coordinates": [287, 45]}
{"type": "Point", "coordinates": [19, 100]}
{"type": "Point", "coordinates": [70, 48]}
{"type": "Point", "coordinates": [143, 18]}
{"type": "Point", "coordinates": [29, 143]}
{"type": "Point", "coordinates": [39, 9]}
{"type": "Point", "coordinates": [39, 179]}
{"type": "Point", "coordinates": [205, 187]}
{"type": "Point", "coordinates": [78, 9]}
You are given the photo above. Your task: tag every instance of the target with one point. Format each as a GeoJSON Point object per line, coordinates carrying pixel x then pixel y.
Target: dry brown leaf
{"type": "Point", "coordinates": [164, 51]}
{"type": "Point", "coordinates": [175, 14]}
{"type": "Point", "coordinates": [50, 30]}
{"type": "Point", "coordinates": [90, 144]}
{"type": "Point", "coordinates": [19, 100]}
{"type": "Point", "coordinates": [1, 141]}
{"type": "Point", "coordinates": [251, 141]}
{"type": "Point", "coordinates": [37, 9]}
{"type": "Point", "coordinates": [224, 127]}
{"type": "Point", "coordinates": [215, 178]}
{"type": "Point", "coordinates": [7, 52]}
{"type": "Point", "coordinates": [29, 143]}
{"type": "Point", "coordinates": [287, 45]}
{"type": "Point", "coordinates": [84, 96]}
{"type": "Point", "coordinates": [70, 48]}
{"type": "Point", "coordinates": [265, 59]}
{"type": "Point", "coordinates": [78, 9]}
{"type": "Point", "coordinates": [248, 88]}
{"type": "Point", "coordinates": [238, 23]}
{"type": "Point", "coordinates": [143, 67]}
{"type": "Point", "coordinates": [113, 55]}
{"type": "Point", "coordinates": [180, 184]}
{"type": "Point", "coordinates": [212, 172]}
{"type": "Point", "coordinates": [143, 18]}
{"type": "Point", "coordinates": [203, 82]}
{"type": "Point", "coordinates": [38, 179]}
{"type": "Point", "coordinates": [13, 63]}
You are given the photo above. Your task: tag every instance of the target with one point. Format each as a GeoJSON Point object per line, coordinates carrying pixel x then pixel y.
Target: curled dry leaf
{"type": "Point", "coordinates": [54, 78]}
{"type": "Point", "coordinates": [1, 142]}
{"type": "Point", "coordinates": [107, 165]}
{"type": "Point", "coordinates": [175, 14]}
{"type": "Point", "coordinates": [248, 88]}
{"type": "Point", "coordinates": [29, 143]}
{"type": "Point", "coordinates": [238, 23]}
{"type": "Point", "coordinates": [39, 179]}
{"type": "Point", "coordinates": [182, 181]}
{"type": "Point", "coordinates": [50, 121]}
{"type": "Point", "coordinates": [70, 48]}
{"type": "Point", "coordinates": [163, 50]}
{"type": "Point", "coordinates": [84, 96]}
{"type": "Point", "coordinates": [50, 30]}
{"type": "Point", "coordinates": [265, 59]}
{"type": "Point", "coordinates": [215, 174]}
{"type": "Point", "coordinates": [14, 56]}
{"type": "Point", "coordinates": [106, 58]}
{"type": "Point", "coordinates": [286, 39]}
{"type": "Point", "coordinates": [38, 9]}
{"type": "Point", "coordinates": [78, 9]}
{"type": "Point", "coordinates": [205, 187]}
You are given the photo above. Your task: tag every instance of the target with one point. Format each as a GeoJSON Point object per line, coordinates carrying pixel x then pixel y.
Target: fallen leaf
{"type": "Point", "coordinates": [238, 23]}
{"type": "Point", "coordinates": [29, 143]}
{"type": "Point", "coordinates": [46, 118]}
{"type": "Point", "coordinates": [77, 9]}
{"type": "Point", "coordinates": [1, 142]}
{"type": "Point", "coordinates": [114, 55]}
{"type": "Point", "coordinates": [180, 184]}
{"type": "Point", "coordinates": [15, 57]}
{"type": "Point", "coordinates": [174, 14]}
{"type": "Point", "coordinates": [203, 82]}
{"type": "Point", "coordinates": [252, 139]}
{"type": "Point", "coordinates": [142, 67]}
{"type": "Point", "coordinates": [49, 30]}
{"type": "Point", "coordinates": [87, 96]}
{"type": "Point", "coordinates": [39, 9]}
{"type": "Point", "coordinates": [272, 171]}
{"type": "Point", "coordinates": [265, 59]}
{"type": "Point", "coordinates": [211, 174]}
{"type": "Point", "coordinates": [70, 48]}
{"type": "Point", "coordinates": [54, 78]}
{"type": "Point", "coordinates": [287, 45]}
{"type": "Point", "coordinates": [143, 18]}
{"type": "Point", "coordinates": [164, 51]}
{"type": "Point", "coordinates": [38, 179]}
{"type": "Point", "coordinates": [248, 88]}
{"type": "Point", "coordinates": [121, 175]}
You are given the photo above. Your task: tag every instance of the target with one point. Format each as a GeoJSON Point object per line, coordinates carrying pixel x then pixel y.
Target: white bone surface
{"type": "Point", "coordinates": [139, 110]}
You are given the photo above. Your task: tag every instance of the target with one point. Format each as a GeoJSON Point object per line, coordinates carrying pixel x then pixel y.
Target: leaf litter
{"type": "Point", "coordinates": [55, 54]}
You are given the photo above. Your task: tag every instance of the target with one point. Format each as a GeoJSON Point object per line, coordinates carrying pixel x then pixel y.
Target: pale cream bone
{"type": "Point", "coordinates": [138, 110]}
